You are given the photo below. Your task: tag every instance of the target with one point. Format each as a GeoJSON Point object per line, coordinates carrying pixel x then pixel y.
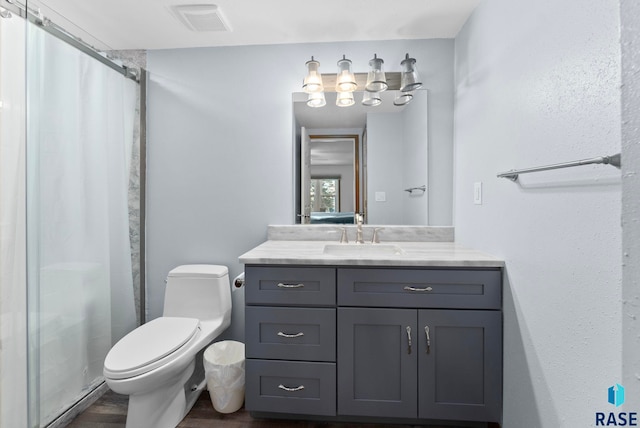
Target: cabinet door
{"type": "Point", "coordinates": [377, 373]}
{"type": "Point", "coordinates": [460, 369]}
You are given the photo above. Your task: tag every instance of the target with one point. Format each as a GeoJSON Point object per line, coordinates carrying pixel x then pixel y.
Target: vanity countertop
{"type": "Point", "coordinates": [442, 254]}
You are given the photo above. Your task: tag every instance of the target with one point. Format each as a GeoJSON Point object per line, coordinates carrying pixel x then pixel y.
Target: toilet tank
{"type": "Point", "coordinates": [198, 291]}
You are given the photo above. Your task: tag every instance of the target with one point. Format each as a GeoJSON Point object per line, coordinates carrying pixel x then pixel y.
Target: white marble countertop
{"type": "Point", "coordinates": [444, 254]}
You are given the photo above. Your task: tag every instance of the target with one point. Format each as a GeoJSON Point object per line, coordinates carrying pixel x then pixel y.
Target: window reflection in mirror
{"type": "Point", "coordinates": [325, 194]}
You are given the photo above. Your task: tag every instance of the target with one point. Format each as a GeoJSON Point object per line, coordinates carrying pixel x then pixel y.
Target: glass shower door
{"type": "Point", "coordinates": [80, 130]}
{"type": "Point", "coordinates": [13, 332]}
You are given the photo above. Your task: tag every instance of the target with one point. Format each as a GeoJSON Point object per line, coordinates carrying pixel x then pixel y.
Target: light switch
{"type": "Point", "coordinates": [381, 196]}
{"type": "Point", "coordinates": [477, 193]}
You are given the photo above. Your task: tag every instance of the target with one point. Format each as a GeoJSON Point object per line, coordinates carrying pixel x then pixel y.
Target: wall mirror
{"type": "Point", "coordinates": [371, 160]}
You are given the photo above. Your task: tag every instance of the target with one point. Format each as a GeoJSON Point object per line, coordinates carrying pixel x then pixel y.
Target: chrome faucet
{"type": "Point", "coordinates": [359, 239]}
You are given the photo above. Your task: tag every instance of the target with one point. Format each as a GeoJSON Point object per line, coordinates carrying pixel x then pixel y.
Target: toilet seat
{"type": "Point", "coordinates": [149, 346]}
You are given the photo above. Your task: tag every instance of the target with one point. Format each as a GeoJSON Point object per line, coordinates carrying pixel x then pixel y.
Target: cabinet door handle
{"type": "Point", "coordinates": [297, 388]}
{"type": "Point", "coordinates": [409, 338]}
{"type": "Point", "coordinates": [426, 332]}
{"type": "Point", "coordinates": [290, 336]}
{"type": "Point", "coordinates": [409, 288]}
{"type": "Point", "coordinates": [282, 285]}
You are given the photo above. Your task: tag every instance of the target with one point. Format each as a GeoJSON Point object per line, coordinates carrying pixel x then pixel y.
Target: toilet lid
{"type": "Point", "coordinates": [137, 351]}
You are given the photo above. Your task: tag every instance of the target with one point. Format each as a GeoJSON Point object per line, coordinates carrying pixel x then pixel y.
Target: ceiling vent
{"type": "Point", "coordinates": [201, 17]}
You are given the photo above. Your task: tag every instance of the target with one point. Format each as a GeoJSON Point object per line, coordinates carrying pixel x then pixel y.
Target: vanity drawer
{"type": "Point", "coordinates": [421, 288]}
{"type": "Point", "coordinates": [290, 286]}
{"type": "Point", "coordinates": [307, 334]}
{"type": "Point", "coordinates": [291, 387]}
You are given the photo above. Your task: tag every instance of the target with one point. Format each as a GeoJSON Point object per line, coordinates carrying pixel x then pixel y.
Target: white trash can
{"type": "Point", "coordinates": [224, 370]}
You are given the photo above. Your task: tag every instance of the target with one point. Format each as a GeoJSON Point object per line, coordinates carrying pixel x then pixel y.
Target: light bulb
{"type": "Point", "coordinates": [313, 81]}
{"type": "Point", "coordinates": [345, 80]}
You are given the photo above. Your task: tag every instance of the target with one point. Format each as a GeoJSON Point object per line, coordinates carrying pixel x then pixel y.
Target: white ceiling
{"type": "Point", "coordinates": [149, 24]}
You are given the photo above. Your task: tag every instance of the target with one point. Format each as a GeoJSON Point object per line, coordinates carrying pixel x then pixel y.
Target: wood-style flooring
{"type": "Point", "coordinates": [110, 411]}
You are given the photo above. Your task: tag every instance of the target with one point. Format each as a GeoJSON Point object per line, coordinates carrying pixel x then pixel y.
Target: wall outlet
{"type": "Point", "coordinates": [381, 196]}
{"type": "Point", "coordinates": [477, 193]}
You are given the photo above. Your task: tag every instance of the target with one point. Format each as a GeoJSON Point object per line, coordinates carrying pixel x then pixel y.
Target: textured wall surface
{"type": "Point", "coordinates": [135, 224]}
{"type": "Point", "coordinates": [134, 59]}
{"type": "Point", "coordinates": [629, 13]}
{"type": "Point", "coordinates": [538, 83]}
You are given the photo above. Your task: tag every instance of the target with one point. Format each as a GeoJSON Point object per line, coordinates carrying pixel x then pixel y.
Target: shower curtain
{"type": "Point", "coordinates": [80, 128]}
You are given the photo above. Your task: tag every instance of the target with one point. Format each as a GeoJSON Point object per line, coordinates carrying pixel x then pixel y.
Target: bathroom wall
{"type": "Point", "coordinates": [630, 35]}
{"type": "Point", "coordinates": [539, 83]}
{"type": "Point", "coordinates": [220, 145]}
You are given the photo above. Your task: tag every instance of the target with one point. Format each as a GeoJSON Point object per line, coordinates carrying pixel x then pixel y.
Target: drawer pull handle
{"type": "Point", "coordinates": [426, 332]}
{"type": "Point", "coordinates": [409, 339]}
{"type": "Point", "coordinates": [409, 288]}
{"type": "Point", "coordinates": [290, 336]}
{"type": "Point", "coordinates": [297, 388]}
{"type": "Point", "coordinates": [282, 285]}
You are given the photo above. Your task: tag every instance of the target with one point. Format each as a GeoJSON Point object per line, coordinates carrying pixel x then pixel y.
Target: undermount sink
{"type": "Point", "coordinates": [362, 250]}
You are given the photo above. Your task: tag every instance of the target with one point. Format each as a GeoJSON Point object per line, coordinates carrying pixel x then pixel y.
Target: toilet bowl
{"type": "Point", "coordinates": [155, 364]}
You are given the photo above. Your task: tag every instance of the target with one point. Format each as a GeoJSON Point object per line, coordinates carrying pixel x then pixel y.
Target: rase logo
{"type": "Point", "coordinates": [615, 396]}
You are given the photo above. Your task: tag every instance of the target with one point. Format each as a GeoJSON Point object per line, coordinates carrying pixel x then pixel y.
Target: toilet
{"type": "Point", "coordinates": [159, 364]}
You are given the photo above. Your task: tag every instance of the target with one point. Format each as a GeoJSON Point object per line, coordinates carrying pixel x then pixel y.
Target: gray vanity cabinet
{"type": "Point", "coordinates": [413, 343]}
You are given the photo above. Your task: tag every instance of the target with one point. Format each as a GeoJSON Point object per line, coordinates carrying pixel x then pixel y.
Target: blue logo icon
{"type": "Point", "coordinates": [616, 395]}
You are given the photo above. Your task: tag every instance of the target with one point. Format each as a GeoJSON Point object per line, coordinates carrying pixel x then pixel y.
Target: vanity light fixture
{"type": "Point", "coordinates": [345, 99]}
{"type": "Point", "coordinates": [409, 79]}
{"type": "Point", "coordinates": [316, 100]}
{"type": "Point", "coordinates": [376, 79]}
{"type": "Point", "coordinates": [313, 81]}
{"type": "Point", "coordinates": [345, 80]}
